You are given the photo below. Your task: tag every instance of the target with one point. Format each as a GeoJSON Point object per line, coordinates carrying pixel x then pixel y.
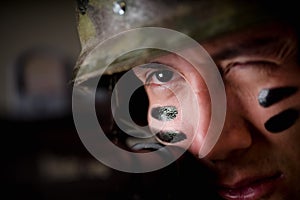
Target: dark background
{"type": "Point", "coordinates": [42, 155]}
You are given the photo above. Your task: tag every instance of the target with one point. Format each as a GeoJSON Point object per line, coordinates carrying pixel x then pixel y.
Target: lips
{"type": "Point", "coordinates": [251, 188]}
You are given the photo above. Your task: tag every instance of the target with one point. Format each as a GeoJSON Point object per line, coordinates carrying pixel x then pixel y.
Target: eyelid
{"type": "Point", "coordinates": [157, 67]}
{"type": "Point", "coordinates": [265, 64]}
{"type": "Point", "coordinates": [140, 70]}
{"type": "Point", "coordinates": [146, 73]}
{"type": "Point", "coordinates": [151, 76]}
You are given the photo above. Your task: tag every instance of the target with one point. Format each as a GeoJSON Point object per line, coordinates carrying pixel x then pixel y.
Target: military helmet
{"type": "Point", "coordinates": [98, 20]}
{"type": "Point", "coordinates": [201, 20]}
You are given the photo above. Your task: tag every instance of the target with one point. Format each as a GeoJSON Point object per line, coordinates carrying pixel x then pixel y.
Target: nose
{"type": "Point", "coordinates": [236, 134]}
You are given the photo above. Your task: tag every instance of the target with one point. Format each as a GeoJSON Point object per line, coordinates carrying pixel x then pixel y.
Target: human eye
{"type": "Point", "coordinates": [157, 74]}
{"type": "Point", "coordinates": [160, 77]}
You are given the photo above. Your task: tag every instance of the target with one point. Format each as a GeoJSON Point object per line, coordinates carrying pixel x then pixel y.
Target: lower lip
{"type": "Point", "coordinates": [252, 191]}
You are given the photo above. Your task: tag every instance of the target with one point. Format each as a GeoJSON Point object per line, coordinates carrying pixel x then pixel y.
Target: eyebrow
{"type": "Point", "coordinates": [263, 46]}
{"type": "Point", "coordinates": [154, 65]}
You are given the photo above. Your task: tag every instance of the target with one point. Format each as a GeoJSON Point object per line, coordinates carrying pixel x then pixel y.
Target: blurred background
{"type": "Point", "coordinates": [43, 157]}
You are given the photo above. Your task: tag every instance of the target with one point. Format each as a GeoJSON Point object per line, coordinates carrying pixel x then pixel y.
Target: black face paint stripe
{"type": "Point", "coordinates": [282, 121]}
{"type": "Point", "coordinates": [165, 113]}
{"type": "Point", "coordinates": [268, 97]}
{"type": "Point", "coordinates": [171, 136]}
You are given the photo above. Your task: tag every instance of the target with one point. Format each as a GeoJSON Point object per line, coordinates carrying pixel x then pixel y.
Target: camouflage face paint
{"type": "Point", "coordinates": [282, 121]}
{"type": "Point", "coordinates": [171, 136]}
{"type": "Point", "coordinates": [165, 113]}
{"type": "Point", "coordinates": [268, 97]}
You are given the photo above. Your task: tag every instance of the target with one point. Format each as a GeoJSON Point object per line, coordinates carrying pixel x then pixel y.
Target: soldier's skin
{"type": "Point", "coordinates": [251, 159]}
{"type": "Point", "coordinates": [258, 152]}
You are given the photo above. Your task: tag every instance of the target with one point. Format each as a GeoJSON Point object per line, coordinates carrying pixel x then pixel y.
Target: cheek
{"type": "Point", "coordinates": [203, 109]}
{"type": "Point", "coordinates": [165, 109]}
{"type": "Point", "coordinates": [189, 113]}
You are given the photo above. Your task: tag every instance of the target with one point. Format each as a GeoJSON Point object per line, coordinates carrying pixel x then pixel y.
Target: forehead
{"type": "Point", "coordinates": [274, 42]}
{"type": "Point", "coordinates": [260, 36]}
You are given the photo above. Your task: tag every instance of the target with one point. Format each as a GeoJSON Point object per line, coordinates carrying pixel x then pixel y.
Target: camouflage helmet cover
{"type": "Point", "coordinates": [201, 20]}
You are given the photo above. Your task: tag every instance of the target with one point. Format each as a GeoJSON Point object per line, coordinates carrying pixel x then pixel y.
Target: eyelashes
{"type": "Point", "coordinates": [157, 73]}
{"type": "Point", "coordinates": [284, 119]}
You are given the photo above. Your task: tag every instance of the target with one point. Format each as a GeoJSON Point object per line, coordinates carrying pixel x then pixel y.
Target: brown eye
{"type": "Point", "coordinates": [163, 75]}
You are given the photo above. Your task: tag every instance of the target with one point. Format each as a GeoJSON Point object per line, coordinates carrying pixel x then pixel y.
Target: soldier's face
{"type": "Point", "coordinates": [257, 154]}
